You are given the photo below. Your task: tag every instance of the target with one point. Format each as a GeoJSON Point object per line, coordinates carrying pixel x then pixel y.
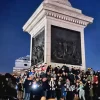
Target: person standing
{"type": "Point", "coordinates": [64, 91]}
{"type": "Point", "coordinates": [76, 92]}
{"type": "Point", "coordinates": [91, 92]}
{"type": "Point", "coordinates": [58, 87]}
{"type": "Point", "coordinates": [45, 87]}
{"type": "Point", "coordinates": [70, 92]}
{"type": "Point", "coordinates": [27, 86]}
{"type": "Point", "coordinates": [87, 90]}
{"type": "Point", "coordinates": [24, 78]}
{"type": "Point", "coordinates": [81, 91]}
{"type": "Point", "coordinates": [95, 90]}
{"type": "Point", "coordinates": [20, 90]}
{"type": "Point", "coordinates": [52, 88]}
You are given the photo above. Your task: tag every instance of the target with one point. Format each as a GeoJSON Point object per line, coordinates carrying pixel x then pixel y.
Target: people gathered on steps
{"type": "Point", "coordinates": [58, 83]}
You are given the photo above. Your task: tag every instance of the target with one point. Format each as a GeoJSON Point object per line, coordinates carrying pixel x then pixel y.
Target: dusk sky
{"type": "Point", "coordinates": [14, 43]}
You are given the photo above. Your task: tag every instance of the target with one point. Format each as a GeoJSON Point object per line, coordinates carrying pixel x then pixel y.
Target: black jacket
{"type": "Point", "coordinates": [27, 85]}
{"type": "Point", "coordinates": [45, 85]}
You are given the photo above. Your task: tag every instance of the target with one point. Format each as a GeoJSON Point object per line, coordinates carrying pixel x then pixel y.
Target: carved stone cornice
{"type": "Point", "coordinates": [57, 11]}
{"type": "Point", "coordinates": [67, 18]}
{"type": "Point", "coordinates": [68, 11]}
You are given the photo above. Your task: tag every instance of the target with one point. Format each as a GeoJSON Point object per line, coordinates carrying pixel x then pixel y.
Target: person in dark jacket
{"type": "Point", "coordinates": [49, 68]}
{"type": "Point", "coordinates": [58, 87]}
{"type": "Point", "coordinates": [98, 92]}
{"type": "Point", "coordinates": [45, 87]}
{"type": "Point", "coordinates": [36, 90]}
{"type": "Point", "coordinates": [52, 88]}
{"type": "Point", "coordinates": [64, 76]}
{"type": "Point", "coordinates": [87, 90]}
{"type": "Point", "coordinates": [72, 78]}
{"type": "Point", "coordinates": [27, 86]}
{"type": "Point", "coordinates": [95, 90]}
{"type": "Point", "coordinates": [56, 70]}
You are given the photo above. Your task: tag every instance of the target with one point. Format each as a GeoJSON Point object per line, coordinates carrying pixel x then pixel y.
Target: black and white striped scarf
{"type": "Point", "coordinates": [52, 85]}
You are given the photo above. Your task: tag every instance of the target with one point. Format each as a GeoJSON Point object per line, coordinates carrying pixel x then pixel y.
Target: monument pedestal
{"type": "Point", "coordinates": [57, 34]}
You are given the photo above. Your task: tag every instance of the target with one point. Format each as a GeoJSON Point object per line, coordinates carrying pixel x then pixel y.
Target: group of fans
{"type": "Point", "coordinates": [60, 83]}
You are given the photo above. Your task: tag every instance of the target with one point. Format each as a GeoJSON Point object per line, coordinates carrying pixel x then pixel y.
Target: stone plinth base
{"type": "Point", "coordinates": [57, 34]}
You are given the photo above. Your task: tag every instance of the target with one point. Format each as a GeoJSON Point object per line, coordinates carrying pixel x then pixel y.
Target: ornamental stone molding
{"type": "Point", "coordinates": [67, 18]}
{"type": "Point", "coordinates": [59, 11]}
{"type": "Point", "coordinates": [69, 12]}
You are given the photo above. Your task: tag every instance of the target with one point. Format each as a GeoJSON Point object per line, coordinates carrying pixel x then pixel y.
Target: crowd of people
{"type": "Point", "coordinates": [58, 83]}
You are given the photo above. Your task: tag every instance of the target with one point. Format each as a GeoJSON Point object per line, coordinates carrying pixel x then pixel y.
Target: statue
{"type": "Point", "coordinates": [65, 2]}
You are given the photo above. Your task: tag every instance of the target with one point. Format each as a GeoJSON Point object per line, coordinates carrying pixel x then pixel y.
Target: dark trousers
{"type": "Point", "coordinates": [27, 96]}
{"type": "Point", "coordinates": [35, 97]}
{"type": "Point", "coordinates": [45, 93]}
{"type": "Point", "coordinates": [58, 94]}
{"type": "Point", "coordinates": [87, 96]}
{"type": "Point", "coordinates": [95, 97]}
{"type": "Point", "coordinates": [51, 94]}
{"type": "Point", "coordinates": [70, 95]}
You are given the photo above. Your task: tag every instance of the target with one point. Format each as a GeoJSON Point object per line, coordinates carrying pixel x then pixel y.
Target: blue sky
{"type": "Point", "coordinates": [14, 43]}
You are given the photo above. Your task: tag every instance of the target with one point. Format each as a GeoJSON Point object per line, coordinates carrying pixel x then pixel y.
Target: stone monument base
{"type": "Point", "coordinates": [57, 34]}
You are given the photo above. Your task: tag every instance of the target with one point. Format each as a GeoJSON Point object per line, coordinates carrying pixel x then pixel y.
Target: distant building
{"type": "Point", "coordinates": [22, 63]}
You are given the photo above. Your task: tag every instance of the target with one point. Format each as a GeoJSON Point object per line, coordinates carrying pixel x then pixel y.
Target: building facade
{"type": "Point", "coordinates": [22, 63]}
